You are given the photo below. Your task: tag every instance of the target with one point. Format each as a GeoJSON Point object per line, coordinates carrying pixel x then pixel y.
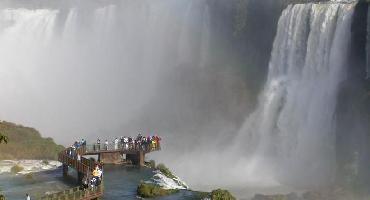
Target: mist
{"type": "Point", "coordinates": [207, 76]}
{"type": "Point", "coordinates": [81, 69]}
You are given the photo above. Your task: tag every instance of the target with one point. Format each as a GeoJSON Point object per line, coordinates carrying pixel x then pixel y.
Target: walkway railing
{"type": "Point", "coordinates": [75, 194]}
{"type": "Point", "coordinates": [83, 165]}
{"type": "Point", "coordinates": [97, 148]}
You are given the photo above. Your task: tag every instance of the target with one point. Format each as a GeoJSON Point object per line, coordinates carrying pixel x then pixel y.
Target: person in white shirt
{"type": "Point", "coordinates": [116, 143]}
{"type": "Point", "coordinates": [106, 144]}
{"type": "Point", "coordinates": [28, 197]}
{"type": "Point", "coordinates": [125, 141]}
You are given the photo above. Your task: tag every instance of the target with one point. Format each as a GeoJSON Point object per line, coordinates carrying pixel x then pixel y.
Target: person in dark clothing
{"type": "Point", "coordinates": [98, 144]}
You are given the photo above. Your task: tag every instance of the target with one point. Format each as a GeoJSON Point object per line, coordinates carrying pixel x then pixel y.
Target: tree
{"type": "Point", "coordinates": [3, 139]}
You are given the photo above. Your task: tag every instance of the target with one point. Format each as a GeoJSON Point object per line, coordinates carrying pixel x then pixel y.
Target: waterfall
{"type": "Point", "coordinates": [292, 129]}
{"type": "Point", "coordinates": [368, 44]}
{"type": "Point", "coordinates": [196, 15]}
{"type": "Point", "coordinates": [112, 53]}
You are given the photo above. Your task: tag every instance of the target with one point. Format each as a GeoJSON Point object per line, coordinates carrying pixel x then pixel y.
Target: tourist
{"type": "Point", "coordinates": [98, 144]}
{"type": "Point", "coordinates": [148, 143]}
{"type": "Point", "coordinates": [125, 142]}
{"type": "Point", "coordinates": [28, 197]}
{"type": "Point", "coordinates": [144, 143]}
{"type": "Point", "coordinates": [85, 183]}
{"type": "Point", "coordinates": [133, 143]}
{"type": "Point", "coordinates": [97, 175]}
{"type": "Point", "coordinates": [157, 141]}
{"type": "Point", "coordinates": [121, 140]}
{"type": "Point", "coordinates": [153, 143]}
{"type": "Point", "coordinates": [73, 151]}
{"type": "Point", "coordinates": [130, 146]}
{"type": "Point", "coordinates": [116, 143]}
{"type": "Point", "coordinates": [83, 142]}
{"type": "Point", "coordinates": [100, 174]}
{"type": "Point", "coordinates": [106, 145]}
{"type": "Point", "coordinates": [93, 183]}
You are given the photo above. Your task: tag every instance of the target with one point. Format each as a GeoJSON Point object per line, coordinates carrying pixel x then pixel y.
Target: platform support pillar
{"type": "Point", "coordinates": [80, 176]}
{"type": "Point", "coordinates": [65, 170]}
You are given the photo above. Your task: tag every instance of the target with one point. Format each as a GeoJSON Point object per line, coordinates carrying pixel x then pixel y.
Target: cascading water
{"type": "Point", "coordinates": [126, 46]}
{"type": "Point", "coordinates": [292, 130]}
{"type": "Point", "coordinates": [368, 45]}
{"type": "Point", "coordinates": [112, 56]}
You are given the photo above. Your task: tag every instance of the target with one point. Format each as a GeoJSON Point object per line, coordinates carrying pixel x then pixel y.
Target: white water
{"type": "Point", "coordinates": [166, 182]}
{"type": "Point", "coordinates": [292, 133]}
{"type": "Point", "coordinates": [368, 47]}
{"type": "Point", "coordinates": [29, 166]}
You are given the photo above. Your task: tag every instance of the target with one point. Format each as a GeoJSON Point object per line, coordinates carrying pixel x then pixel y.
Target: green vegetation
{"type": "Point", "coordinates": [26, 143]}
{"type": "Point", "coordinates": [165, 171]}
{"type": "Point", "coordinates": [150, 164]}
{"type": "Point", "coordinates": [3, 138]}
{"type": "Point", "coordinates": [220, 194]}
{"type": "Point", "coordinates": [201, 195]}
{"type": "Point", "coordinates": [149, 190]}
{"type": "Point", "coordinates": [45, 162]}
{"type": "Point", "coordinates": [16, 169]}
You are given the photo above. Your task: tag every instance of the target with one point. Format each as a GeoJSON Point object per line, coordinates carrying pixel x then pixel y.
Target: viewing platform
{"type": "Point", "coordinates": [112, 154]}
{"type": "Point", "coordinates": [82, 160]}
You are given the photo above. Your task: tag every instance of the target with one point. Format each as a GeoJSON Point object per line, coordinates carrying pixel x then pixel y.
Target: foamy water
{"type": "Point", "coordinates": [167, 183]}
{"type": "Point", "coordinates": [29, 166]}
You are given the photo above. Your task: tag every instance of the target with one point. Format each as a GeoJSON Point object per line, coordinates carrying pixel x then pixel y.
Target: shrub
{"type": "Point", "coordinates": [151, 164]}
{"type": "Point", "coordinates": [220, 194]}
{"type": "Point", "coordinates": [16, 169]}
{"type": "Point", "coordinates": [148, 190]}
{"type": "Point", "coordinates": [45, 162]}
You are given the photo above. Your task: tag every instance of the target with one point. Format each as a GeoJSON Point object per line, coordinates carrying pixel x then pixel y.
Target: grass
{"type": "Point", "coordinates": [149, 190]}
{"type": "Point", "coordinates": [26, 143]}
{"type": "Point", "coordinates": [16, 169]}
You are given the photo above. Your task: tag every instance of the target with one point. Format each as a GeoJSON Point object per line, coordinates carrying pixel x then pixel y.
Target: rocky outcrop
{"type": "Point", "coordinates": [221, 194]}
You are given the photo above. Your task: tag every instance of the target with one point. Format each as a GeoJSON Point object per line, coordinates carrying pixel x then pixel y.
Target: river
{"type": "Point", "coordinates": [120, 183]}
